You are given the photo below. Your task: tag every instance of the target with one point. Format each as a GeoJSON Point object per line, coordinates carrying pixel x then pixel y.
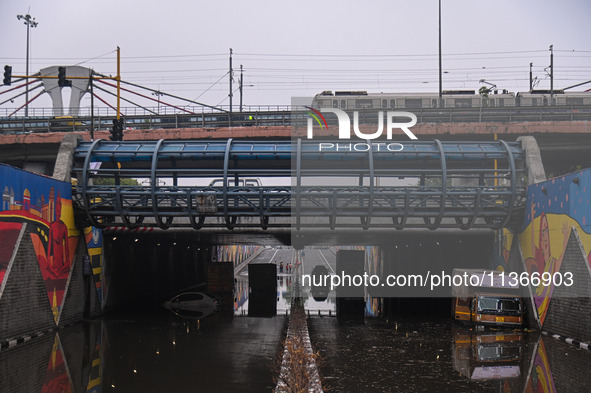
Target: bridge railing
{"type": "Point", "coordinates": [134, 118]}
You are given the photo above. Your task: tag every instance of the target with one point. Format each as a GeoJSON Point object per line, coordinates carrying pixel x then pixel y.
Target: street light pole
{"type": "Point", "coordinates": [531, 77]}
{"type": "Point", "coordinates": [551, 74]}
{"type": "Point", "coordinates": [30, 22]}
{"type": "Point", "coordinates": [440, 82]}
{"type": "Point", "coordinates": [158, 94]}
{"type": "Point", "coordinates": [241, 75]}
{"type": "Point", "coordinates": [230, 72]}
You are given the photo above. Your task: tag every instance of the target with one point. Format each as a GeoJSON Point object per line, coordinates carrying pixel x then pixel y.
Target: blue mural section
{"type": "Point", "coordinates": [567, 194]}
{"type": "Point", "coordinates": [554, 209]}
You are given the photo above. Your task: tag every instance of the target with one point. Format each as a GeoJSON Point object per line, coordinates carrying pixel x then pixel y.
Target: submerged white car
{"type": "Point", "coordinates": [193, 304]}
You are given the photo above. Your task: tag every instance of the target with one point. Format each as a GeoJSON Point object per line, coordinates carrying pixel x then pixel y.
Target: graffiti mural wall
{"type": "Point", "coordinates": [236, 253]}
{"type": "Point", "coordinates": [94, 246]}
{"type": "Point", "coordinates": [45, 206]}
{"type": "Point", "coordinates": [554, 209]}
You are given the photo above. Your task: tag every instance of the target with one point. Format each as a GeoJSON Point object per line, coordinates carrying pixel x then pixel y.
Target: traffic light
{"type": "Point", "coordinates": [7, 75]}
{"type": "Point", "coordinates": [61, 77]}
{"type": "Point", "coordinates": [117, 131]}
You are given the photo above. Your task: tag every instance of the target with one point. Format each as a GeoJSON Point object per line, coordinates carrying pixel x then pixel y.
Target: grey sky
{"type": "Point", "coordinates": [181, 47]}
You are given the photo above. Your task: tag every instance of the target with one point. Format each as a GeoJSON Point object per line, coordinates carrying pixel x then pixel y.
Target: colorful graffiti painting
{"type": "Point", "coordinates": [541, 380]}
{"type": "Point", "coordinates": [544, 259]}
{"type": "Point", "coordinates": [46, 206]}
{"type": "Point", "coordinates": [236, 253]}
{"type": "Point", "coordinates": [554, 208]}
{"type": "Point", "coordinates": [57, 378]}
{"type": "Point", "coordinates": [94, 246]}
{"type": "Point", "coordinates": [95, 374]}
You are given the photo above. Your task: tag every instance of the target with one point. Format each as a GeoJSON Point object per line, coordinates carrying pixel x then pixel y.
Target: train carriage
{"type": "Point", "coordinates": [558, 97]}
{"type": "Point", "coordinates": [356, 100]}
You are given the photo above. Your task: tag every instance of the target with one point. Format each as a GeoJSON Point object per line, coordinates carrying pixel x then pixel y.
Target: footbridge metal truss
{"type": "Point", "coordinates": [300, 184]}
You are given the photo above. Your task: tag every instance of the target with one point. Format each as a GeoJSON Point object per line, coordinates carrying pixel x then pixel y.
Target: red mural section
{"type": "Point", "coordinates": [46, 206]}
{"type": "Point", "coordinates": [57, 379]}
{"type": "Point", "coordinates": [9, 233]}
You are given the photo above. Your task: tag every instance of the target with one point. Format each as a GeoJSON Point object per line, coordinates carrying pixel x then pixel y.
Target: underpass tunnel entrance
{"type": "Point", "coordinates": [402, 275]}
{"type": "Point", "coordinates": [146, 268]}
{"type": "Point", "coordinates": [421, 270]}
{"type": "Point", "coordinates": [388, 276]}
{"type": "Point", "coordinates": [184, 271]}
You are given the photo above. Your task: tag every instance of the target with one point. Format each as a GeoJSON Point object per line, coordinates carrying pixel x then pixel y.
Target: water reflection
{"type": "Point", "coordinates": [160, 352]}
{"type": "Point", "coordinates": [285, 293]}
{"type": "Point", "coordinates": [148, 352]}
{"type": "Point", "coordinates": [489, 355]}
{"type": "Point", "coordinates": [430, 356]}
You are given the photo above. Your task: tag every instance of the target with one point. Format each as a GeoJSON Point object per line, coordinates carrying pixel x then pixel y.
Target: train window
{"type": "Point", "coordinates": [335, 103]}
{"type": "Point", "coordinates": [545, 101]}
{"type": "Point", "coordinates": [501, 102]}
{"type": "Point", "coordinates": [413, 103]}
{"type": "Point", "coordinates": [574, 101]}
{"type": "Point", "coordinates": [534, 102]}
{"type": "Point", "coordinates": [434, 103]}
{"type": "Point", "coordinates": [343, 104]}
{"type": "Point", "coordinates": [364, 103]}
{"type": "Point", "coordinates": [320, 103]}
{"type": "Point", "coordinates": [384, 104]}
{"type": "Point", "coordinates": [492, 102]}
{"type": "Point", "coordinates": [463, 102]}
{"type": "Point", "coordinates": [553, 101]}
{"type": "Point", "coordinates": [392, 104]}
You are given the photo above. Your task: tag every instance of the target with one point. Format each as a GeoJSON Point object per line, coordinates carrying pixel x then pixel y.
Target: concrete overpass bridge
{"type": "Point", "coordinates": [564, 145]}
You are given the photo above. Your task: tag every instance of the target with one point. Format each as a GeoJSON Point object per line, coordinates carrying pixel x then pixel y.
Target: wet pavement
{"type": "Point", "coordinates": [438, 356]}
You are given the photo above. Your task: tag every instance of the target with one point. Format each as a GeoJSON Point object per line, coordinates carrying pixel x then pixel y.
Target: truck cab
{"type": "Point", "coordinates": [493, 301]}
{"type": "Point", "coordinates": [495, 309]}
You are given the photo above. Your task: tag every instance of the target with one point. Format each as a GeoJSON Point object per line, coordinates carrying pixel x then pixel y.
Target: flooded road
{"type": "Point", "coordinates": [157, 351]}
{"type": "Point", "coordinates": [438, 356]}
{"type": "Point", "coordinates": [148, 352]}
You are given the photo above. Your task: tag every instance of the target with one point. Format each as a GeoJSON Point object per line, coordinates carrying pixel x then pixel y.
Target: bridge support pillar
{"type": "Point", "coordinates": [533, 160]}
{"type": "Point", "coordinates": [65, 157]}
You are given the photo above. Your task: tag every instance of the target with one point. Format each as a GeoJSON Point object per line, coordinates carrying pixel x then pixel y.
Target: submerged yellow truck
{"type": "Point", "coordinates": [486, 297]}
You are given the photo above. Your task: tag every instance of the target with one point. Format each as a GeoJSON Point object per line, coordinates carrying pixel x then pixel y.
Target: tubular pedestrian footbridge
{"type": "Point", "coordinates": [301, 184]}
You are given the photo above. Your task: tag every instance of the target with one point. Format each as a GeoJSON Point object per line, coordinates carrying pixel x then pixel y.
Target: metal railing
{"type": "Point", "coordinates": [137, 118]}
{"type": "Point", "coordinates": [426, 184]}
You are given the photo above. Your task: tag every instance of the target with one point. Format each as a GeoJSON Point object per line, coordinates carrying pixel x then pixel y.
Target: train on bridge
{"type": "Point", "coordinates": [355, 100]}
{"type": "Point", "coordinates": [459, 106]}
